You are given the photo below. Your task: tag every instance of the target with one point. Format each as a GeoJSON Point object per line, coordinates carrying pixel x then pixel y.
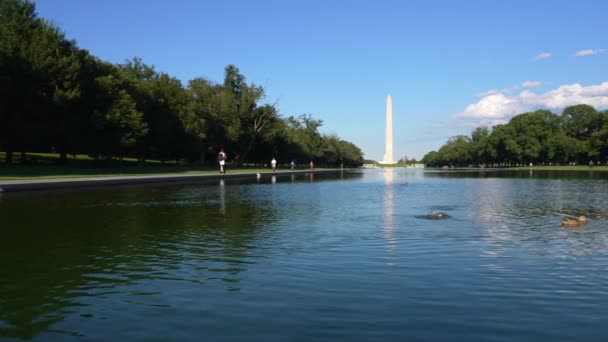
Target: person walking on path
{"type": "Point", "coordinates": [312, 165]}
{"type": "Point", "coordinates": [221, 158]}
{"type": "Point", "coordinates": [293, 164]}
{"type": "Point", "coordinates": [273, 163]}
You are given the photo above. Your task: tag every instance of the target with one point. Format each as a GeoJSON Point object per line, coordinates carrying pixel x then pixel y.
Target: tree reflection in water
{"type": "Point", "coordinates": [61, 252]}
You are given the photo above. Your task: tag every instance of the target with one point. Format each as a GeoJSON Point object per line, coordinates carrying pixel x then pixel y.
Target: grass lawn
{"type": "Point", "coordinates": [45, 166]}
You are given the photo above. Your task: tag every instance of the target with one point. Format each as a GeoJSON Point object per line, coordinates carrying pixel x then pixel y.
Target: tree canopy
{"type": "Point", "coordinates": [577, 136]}
{"type": "Point", "coordinates": [55, 96]}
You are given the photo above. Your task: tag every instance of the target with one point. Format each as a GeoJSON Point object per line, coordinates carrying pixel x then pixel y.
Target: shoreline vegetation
{"type": "Point", "coordinates": [524, 168]}
{"type": "Point", "coordinates": [511, 168]}
{"type": "Point", "coordinates": [40, 166]}
{"type": "Point", "coordinates": [578, 136]}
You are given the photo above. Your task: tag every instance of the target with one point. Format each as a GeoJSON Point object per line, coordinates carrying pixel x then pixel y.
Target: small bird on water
{"type": "Point", "coordinates": [571, 221]}
{"type": "Point", "coordinates": [438, 215]}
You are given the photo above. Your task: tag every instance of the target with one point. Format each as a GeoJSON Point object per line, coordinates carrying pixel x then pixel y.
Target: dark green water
{"type": "Point", "coordinates": [348, 257]}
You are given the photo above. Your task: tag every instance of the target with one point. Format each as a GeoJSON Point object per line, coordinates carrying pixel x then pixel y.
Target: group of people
{"type": "Point", "coordinates": [273, 163]}
{"type": "Point", "coordinates": [222, 157]}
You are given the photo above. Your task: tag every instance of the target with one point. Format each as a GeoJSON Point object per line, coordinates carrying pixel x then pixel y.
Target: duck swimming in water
{"type": "Point", "coordinates": [572, 221]}
{"type": "Point", "coordinates": [438, 215]}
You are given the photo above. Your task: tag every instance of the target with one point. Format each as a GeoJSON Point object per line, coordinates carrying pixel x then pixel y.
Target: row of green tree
{"type": "Point", "coordinates": [55, 96]}
{"type": "Point", "coordinates": [578, 135]}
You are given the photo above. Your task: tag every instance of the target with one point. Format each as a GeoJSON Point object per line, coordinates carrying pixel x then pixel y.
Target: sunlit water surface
{"type": "Point", "coordinates": [305, 257]}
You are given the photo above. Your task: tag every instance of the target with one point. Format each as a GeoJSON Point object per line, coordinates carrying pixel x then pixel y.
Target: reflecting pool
{"type": "Point", "coordinates": [310, 257]}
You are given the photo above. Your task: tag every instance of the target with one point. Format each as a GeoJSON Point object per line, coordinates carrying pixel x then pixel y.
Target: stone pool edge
{"type": "Point", "coordinates": [64, 183]}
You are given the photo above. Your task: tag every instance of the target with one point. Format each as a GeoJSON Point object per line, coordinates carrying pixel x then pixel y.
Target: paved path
{"type": "Point", "coordinates": [63, 183]}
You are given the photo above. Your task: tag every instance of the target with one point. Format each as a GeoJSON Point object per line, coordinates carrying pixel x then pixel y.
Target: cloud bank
{"type": "Point", "coordinates": [499, 107]}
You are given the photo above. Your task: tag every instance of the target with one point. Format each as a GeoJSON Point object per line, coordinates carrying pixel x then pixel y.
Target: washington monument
{"type": "Point", "coordinates": [388, 154]}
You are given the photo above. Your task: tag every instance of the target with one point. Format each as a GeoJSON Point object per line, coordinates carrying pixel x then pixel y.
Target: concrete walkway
{"type": "Point", "coordinates": [64, 183]}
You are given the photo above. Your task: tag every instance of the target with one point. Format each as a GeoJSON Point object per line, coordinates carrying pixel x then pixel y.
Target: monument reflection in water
{"type": "Point", "coordinates": [389, 209]}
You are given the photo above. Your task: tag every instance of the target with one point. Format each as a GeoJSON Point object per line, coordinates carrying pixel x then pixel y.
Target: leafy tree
{"type": "Point", "coordinates": [65, 76]}
{"type": "Point", "coordinates": [22, 61]}
{"type": "Point", "coordinates": [432, 159]}
{"type": "Point", "coordinates": [254, 124]}
{"type": "Point", "coordinates": [507, 149]}
{"type": "Point", "coordinates": [166, 111]}
{"type": "Point", "coordinates": [562, 148]}
{"type": "Point", "coordinates": [532, 132]}
{"type": "Point", "coordinates": [581, 121]}
{"type": "Point", "coordinates": [457, 151]}
{"type": "Point", "coordinates": [599, 139]}
{"type": "Point", "coordinates": [303, 131]}
{"type": "Point", "coordinates": [338, 152]}
{"type": "Point", "coordinates": [578, 134]}
{"type": "Point", "coordinates": [207, 105]}
{"type": "Point", "coordinates": [481, 149]}
{"type": "Point", "coordinates": [116, 123]}
{"type": "Point", "coordinates": [55, 96]}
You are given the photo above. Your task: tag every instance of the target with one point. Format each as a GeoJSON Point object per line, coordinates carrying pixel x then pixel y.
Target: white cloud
{"type": "Point", "coordinates": [589, 52]}
{"type": "Point", "coordinates": [531, 84]}
{"type": "Point", "coordinates": [494, 106]}
{"type": "Point", "coordinates": [499, 106]}
{"type": "Point", "coordinates": [541, 56]}
{"type": "Point", "coordinates": [497, 91]}
{"type": "Point", "coordinates": [481, 123]}
{"type": "Point", "coordinates": [488, 92]}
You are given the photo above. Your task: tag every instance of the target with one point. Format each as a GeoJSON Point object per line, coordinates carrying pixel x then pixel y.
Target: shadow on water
{"type": "Point", "coordinates": [62, 251]}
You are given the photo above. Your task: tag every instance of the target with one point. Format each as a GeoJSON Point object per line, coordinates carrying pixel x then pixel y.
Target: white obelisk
{"type": "Point", "coordinates": [388, 154]}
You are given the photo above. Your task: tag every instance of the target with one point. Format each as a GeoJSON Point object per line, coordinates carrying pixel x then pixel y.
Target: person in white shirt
{"type": "Point", "coordinates": [221, 158]}
{"type": "Point", "coordinates": [273, 163]}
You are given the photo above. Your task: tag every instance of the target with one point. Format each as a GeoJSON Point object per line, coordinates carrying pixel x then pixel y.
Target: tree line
{"type": "Point", "coordinates": [55, 96]}
{"type": "Point", "coordinates": [578, 136]}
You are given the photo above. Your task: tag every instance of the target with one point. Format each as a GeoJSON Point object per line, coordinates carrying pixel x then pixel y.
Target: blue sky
{"type": "Point", "coordinates": [448, 65]}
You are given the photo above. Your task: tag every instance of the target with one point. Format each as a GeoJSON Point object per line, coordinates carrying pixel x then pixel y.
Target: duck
{"type": "Point", "coordinates": [438, 215]}
{"type": "Point", "coordinates": [574, 221]}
